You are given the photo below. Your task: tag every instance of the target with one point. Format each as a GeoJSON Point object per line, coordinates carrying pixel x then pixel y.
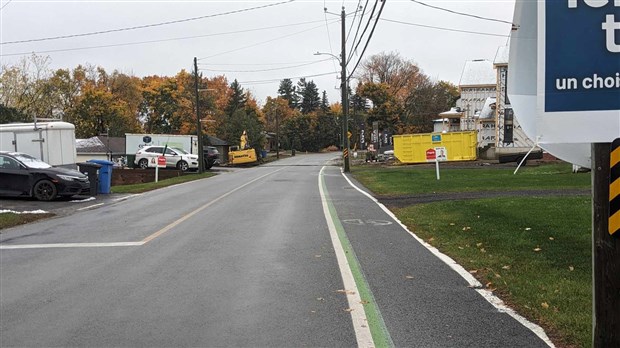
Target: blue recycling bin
{"type": "Point", "coordinates": [105, 175]}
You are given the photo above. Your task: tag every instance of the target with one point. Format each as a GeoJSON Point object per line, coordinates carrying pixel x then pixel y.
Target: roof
{"type": "Point", "coordinates": [213, 141]}
{"type": "Point", "coordinates": [453, 113]}
{"type": "Point", "coordinates": [478, 72]}
{"type": "Point", "coordinates": [100, 144]}
{"type": "Point", "coordinates": [501, 57]}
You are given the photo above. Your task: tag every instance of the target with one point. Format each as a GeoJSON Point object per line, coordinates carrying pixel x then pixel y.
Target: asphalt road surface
{"type": "Point", "coordinates": [288, 254]}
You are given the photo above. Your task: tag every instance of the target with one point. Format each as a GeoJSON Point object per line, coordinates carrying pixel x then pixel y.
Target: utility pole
{"type": "Point", "coordinates": [277, 134]}
{"type": "Point", "coordinates": [201, 164]}
{"type": "Point", "coordinates": [605, 245]}
{"type": "Point", "coordinates": [345, 95]}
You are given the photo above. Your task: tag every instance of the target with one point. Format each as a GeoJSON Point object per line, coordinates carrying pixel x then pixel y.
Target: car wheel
{"type": "Point", "coordinates": [45, 190]}
{"type": "Point", "coordinates": [182, 166]}
{"type": "Point", "coordinates": [209, 164]}
{"type": "Point", "coordinates": [143, 163]}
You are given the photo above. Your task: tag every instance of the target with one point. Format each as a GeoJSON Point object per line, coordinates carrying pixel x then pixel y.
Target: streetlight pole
{"type": "Point", "coordinates": [201, 164]}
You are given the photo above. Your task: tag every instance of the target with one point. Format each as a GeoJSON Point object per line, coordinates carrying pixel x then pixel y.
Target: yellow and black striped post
{"type": "Point", "coordinates": [614, 187]}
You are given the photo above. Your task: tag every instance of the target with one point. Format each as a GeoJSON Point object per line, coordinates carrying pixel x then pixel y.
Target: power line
{"type": "Point", "coordinates": [147, 25]}
{"type": "Point", "coordinates": [461, 13]}
{"type": "Point", "coordinates": [262, 70]}
{"type": "Point", "coordinates": [372, 12]}
{"type": "Point", "coordinates": [359, 25]}
{"type": "Point", "coordinates": [247, 64]}
{"type": "Point", "coordinates": [353, 20]}
{"type": "Point", "coordinates": [262, 42]}
{"type": "Point", "coordinates": [329, 38]}
{"type": "Point", "coordinates": [256, 82]}
{"type": "Point", "coordinates": [161, 40]}
{"type": "Point", "coordinates": [443, 28]}
{"type": "Point", "coordinates": [368, 40]}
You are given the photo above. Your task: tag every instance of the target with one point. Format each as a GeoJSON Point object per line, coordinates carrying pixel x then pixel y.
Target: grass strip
{"type": "Point", "coordinates": [534, 251]}
{"type": "Point", "coordinates": [11, 219]}
{"type": "Point", "coordinates": [149, 186]}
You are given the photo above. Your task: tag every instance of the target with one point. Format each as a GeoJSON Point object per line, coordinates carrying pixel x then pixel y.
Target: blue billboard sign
{"type": "Point", "coordinates": [582, 55]}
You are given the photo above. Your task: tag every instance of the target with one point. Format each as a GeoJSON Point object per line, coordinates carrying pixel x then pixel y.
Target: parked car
{"type": "Point", "coordinates": [175, 157]}
{"type": "Point", "coordinates": [24, 175]}
{"type": "Point", "coordinates": [212, 156]}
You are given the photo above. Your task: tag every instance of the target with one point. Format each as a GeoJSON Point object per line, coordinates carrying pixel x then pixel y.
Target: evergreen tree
{"type": "Point", "coordinates": [237, 99]}
{"type": "Point", "coordinates": [310, 99]}
{"type": "Point", "coordinates": [288, 92]}
{"type": "Point", "coordinates": [324, 103]}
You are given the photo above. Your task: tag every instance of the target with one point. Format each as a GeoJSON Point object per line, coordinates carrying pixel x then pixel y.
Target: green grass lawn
{"type": "Point", "coordinates": [402, 180]}
{"type": "Point", "coordinates": [535, 252]}
{"type": "Point", "coordinates": [11, 219]}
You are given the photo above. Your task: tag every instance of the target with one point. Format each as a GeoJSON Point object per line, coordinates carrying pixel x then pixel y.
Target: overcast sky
{"type": "Point", "coordinates": [238, 44]}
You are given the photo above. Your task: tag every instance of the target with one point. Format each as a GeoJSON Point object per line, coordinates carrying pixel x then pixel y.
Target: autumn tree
{"type": "Point", "coordinates": [24, 88]}
{"type": "Point", "coordinates": [386, 108]}
{"type": "Point", "coordinates": [391, 69]}
{"type": "Point", "coordinates": [277, 107]}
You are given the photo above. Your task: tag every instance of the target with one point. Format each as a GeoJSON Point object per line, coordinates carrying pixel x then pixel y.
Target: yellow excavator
{"type": "Point", "coordinates": [244, 154]}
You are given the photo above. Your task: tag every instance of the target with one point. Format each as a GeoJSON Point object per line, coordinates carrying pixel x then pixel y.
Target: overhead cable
{"type": "Point", "coordinates": [368, 41]}
{"type": "Point", "coordinates": [372, 13]}
{"type": "Point", "coordinates": [359, 25]}
{"type": "Point", "coordinates": [446, 29]}
{"type": "Point", "coordinates": [160, 40]}
{"type": "Point", "coordinates": [263, 42]}
{"type": "Point", "coordinates": [290, 78]}
{"type": "Point", "coordinates": [353, 20]}
{"type": "Point", "coordinates": [262, 70]}
{"type": "Point", "coordinates": [147, 25]}
{"type": "Point", "coordinates": [462, 13]}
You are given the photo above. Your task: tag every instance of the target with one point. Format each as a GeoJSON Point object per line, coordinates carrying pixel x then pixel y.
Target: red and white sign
{"type": "Point", "coordinates": [161, 161]}
{"type": "Point", "coordinates": [431, 155]}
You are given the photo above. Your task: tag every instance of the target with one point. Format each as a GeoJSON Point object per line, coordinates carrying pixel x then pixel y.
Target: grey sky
{"type": "Point", "coordinates": [440, 54]}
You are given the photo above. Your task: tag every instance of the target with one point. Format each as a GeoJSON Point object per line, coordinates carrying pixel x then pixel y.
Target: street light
{"type": "Point", "coordinates": [344, 94]}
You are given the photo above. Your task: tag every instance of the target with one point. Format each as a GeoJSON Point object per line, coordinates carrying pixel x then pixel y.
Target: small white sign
{"type": "Point", "coordinates": [441, 153]}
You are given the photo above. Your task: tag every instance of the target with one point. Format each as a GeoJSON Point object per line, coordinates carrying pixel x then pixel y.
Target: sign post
{"type": "Point", "coordinates": [431, 156]}
{"type": "Point", "coordinates": [161, 162]}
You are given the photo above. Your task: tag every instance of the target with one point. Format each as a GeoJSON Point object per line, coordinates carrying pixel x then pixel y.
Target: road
{"type": "Point", "coordinates": [280, 255]}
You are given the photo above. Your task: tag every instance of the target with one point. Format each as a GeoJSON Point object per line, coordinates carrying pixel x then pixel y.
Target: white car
{"type": "Point", "coordinates": [175, 158]}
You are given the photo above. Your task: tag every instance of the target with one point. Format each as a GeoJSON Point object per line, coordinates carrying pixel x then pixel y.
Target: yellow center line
{"type": "Point", "coordinates": [189, 215]}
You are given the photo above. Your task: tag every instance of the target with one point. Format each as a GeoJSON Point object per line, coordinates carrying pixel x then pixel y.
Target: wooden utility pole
{"type": "Point", "coordinates": [201, 164]}
{"type": "Point", "coordinates": [345, 95]}
{"type": "Point", "coordinates": [605, 246]}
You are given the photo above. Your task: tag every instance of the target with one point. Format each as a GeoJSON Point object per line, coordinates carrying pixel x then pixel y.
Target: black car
{"type": "Point", "coordinates": [24, 175]}
{"type": "Point", "coordinates": [211, 156]}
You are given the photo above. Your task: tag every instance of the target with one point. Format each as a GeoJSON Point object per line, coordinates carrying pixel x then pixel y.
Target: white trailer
{"type": "Point", "coordinates": [52, 142]}
{"type": "Point", "coordinates": [134, 142]}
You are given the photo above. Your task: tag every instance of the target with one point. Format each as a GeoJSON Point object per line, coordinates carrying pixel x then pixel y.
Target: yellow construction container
{"type": "Point", "coordinates": [411, 148]}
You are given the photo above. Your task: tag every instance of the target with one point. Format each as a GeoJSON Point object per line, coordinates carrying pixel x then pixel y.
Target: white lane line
{"type": "Point", "coordinates": [473, 282]}
{"type": "Point", "coordinates": [90, 207]}
{"type": "Point", "coordinates": [358, 314]}
{"type": "Point", "coordinates": [70, 245]}
{"type": "Point", "coordinates": [126, 198]}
